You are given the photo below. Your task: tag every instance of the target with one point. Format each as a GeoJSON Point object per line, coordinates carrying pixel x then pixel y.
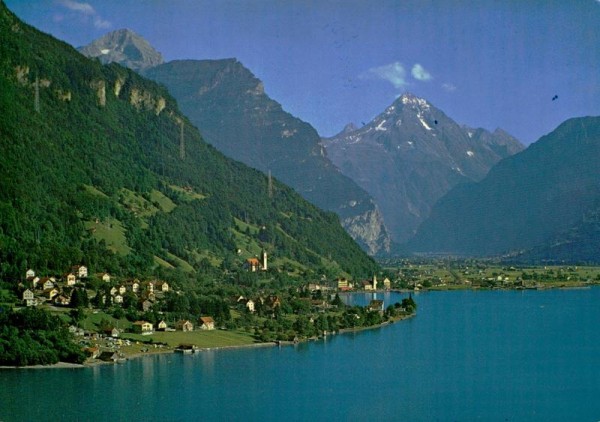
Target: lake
{"type": "Point", "coordinates": [467, 355]}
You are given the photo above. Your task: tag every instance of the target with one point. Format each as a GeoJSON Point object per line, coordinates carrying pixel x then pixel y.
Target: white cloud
{"type": "Point", "coordinates": [101, 23]}
{"type": "Point", "coordinates": [420, 74]}
{"type": "Point", "coordinates": [84, 8]}
{"type": "Point", "coordinates": [448, 87]}
{"type": "Point", "coordinates": [393, 73]}
{"type": "Point", "coordinates": [88, 11]}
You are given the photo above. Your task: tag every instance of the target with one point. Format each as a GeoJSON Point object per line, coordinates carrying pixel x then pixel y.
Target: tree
{"type": "Point", "coordinates": [337, 301]}
{"type": "Point", "coordinates": [77, 315]}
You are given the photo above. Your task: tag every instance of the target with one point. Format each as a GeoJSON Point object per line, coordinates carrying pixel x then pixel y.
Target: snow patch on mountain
{"type": "Point", "coordinates": [425, 125]}
{"type": "Point", "coordinates": [380, 126]}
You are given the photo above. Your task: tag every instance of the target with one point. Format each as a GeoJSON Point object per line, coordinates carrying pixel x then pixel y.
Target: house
{"type": "Point", "coordinates": [71, 279]}
{"type": "Point", "coordinates": [149, 296]}
{"type": "Point", "coordinates": [109, 356]}
{"type": "Point", "coordinates": [387, 284]}
{"type": "Point", "coordinates": [237, 299]}
{"type": "Point", "coordinates": [206, 323]}
{"type": "Point", "coordinates": [376, 305]}
{"type": "Point", "coordinates": [33, 281]}
{"type": "Point", "coordinates": [162, 286]}
{"type": "Point", "coordinates": [142, 327]}
{"type": "Point", "coordinates": [249, 303]}
{"type": "Point", "coordinates": [344, 284]}
{"type": "Point", "coordinates": [272, 302]}
{"type": "Point", "coordinates": [252, 264]}
{"type": "Point", "coordinates": [92, 352]}
{"type": "Point", "coordinates": [29, 274]}
{"type": "Point", "coordinates": [76, 331]}
{"type": "Point", "coordinates": [80, 271]}
{"type": "Point", "coordinates": [46, 283]}
{"type": "Point", "coordinates": [135, 286]}
{"type": "Point", "coordinates": [50, 293]}
{"type": "Point", "coordinates": [111, 332]}
{"type": "Point", "coordinates": [161, 326]}
{"type": "Point", "coordinates": [105, 277]}
{"type": "Point", "coordinates": [185, 325]}
{"type": "Point", "coordinates": [62, 300]}
{"type": "Point", "coordinates": [28, 298]}
{"type": "Point", "coordinates": [367, 285]}
{"type": "Point", "coordinates": [149, 287]}
{"type": "Point", "coordinates": [118, 299]}
{"type": "Point", "coordinates": [370, 284]}
{"type": "Point", "coordinates": [147, 305]}
{"type": "Point", "coordinates": [113, 291]}
{"type": "Point", "coordinates": [122, 289]}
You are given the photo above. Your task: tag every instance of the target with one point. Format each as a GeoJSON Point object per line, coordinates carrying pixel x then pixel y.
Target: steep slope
{"type": "Point", "coordinates": [411, 155]}
{"type": "Point", "coordinates": [230, 107]}
{"type": "Point", "coordinates": [98, 166]}
{"type": "Point", "coordinates": [124, 47]}
{"type": "Point", "coordinates": [545, 198]}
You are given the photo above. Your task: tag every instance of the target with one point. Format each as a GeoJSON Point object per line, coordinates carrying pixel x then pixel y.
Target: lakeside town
{"type": "Point", "coordinates": [113, 318]}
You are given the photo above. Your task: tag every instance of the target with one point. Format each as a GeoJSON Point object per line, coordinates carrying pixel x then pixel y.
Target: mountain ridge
{"type": "Point", "coordinates": [410, 155]}
{"type": "Point", "coordinates": [125, 47]}
{"type": "Point", "coordinates": [525, 201]}
{"type": "Point", "coordinates": [119, 179]}
{"type": "Point", "coordinates": [231, 108]}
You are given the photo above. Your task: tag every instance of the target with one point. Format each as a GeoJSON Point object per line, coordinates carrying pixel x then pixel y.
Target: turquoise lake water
{"type": "Point", "coordinates": [466, 356]}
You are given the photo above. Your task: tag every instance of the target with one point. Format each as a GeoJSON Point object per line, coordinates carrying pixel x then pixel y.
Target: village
{"type": "Point", "coordinates": [114, 317]}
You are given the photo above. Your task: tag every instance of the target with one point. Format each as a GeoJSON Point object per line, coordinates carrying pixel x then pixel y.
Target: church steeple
{"type": "Point", "coordinates": [263, 259]}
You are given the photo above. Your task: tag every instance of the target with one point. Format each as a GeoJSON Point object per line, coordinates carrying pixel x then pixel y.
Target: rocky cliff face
{"type": "Point", "coordinates": [411, 155]}
{"type": "Point", "coordinates": [124, 47]}
{"type": "Point", "coordinates": [230, 107]}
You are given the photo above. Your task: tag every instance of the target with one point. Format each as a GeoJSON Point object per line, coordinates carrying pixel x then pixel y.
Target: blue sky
{"type": "Point", "coordinates": [485, 63]}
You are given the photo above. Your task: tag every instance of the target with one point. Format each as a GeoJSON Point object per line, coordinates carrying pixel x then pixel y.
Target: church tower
{"type": "Point", "coordinates": [374, 282]}
{"type": "Point", "coordinates": [263, 259]}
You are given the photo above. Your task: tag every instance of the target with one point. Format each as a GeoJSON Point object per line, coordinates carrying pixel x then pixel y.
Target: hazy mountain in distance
{"type": "Point", "coordinates": [229, 105]}
{"type": "Point", "coordinates": [412, 154]}
{"type": "Point", "coordinates": [542, 203]}
{"type": "Point", "coordinates": [124, 47]}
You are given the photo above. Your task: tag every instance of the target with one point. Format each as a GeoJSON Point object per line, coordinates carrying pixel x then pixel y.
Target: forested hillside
{"type": "Point", "coordinates": [98, 166]}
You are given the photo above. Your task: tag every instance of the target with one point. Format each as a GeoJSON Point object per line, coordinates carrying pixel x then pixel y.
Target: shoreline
{"type": "Point", "coordinates": [91, 363]}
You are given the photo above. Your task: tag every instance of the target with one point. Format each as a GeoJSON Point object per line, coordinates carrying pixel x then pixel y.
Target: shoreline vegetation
{"type": "Point", "coordinates": [261, 311]}
{"type": "Point", "coordinates": [130, 354]}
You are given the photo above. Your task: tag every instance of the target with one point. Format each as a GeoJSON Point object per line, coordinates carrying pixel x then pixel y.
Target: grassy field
{"type": "Point", "coordinates": [187, 193]}
{"type": "Point", "coordinates": [199, 338]}
{"type": "Point", "coordinates": [163, 202]}
{"type": "Point", "coordinates": [112, 232]}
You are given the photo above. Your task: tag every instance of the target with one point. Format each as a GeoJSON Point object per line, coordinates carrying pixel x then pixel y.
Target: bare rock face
{"type": "Point", "coordinates": [412, 154]}
{"type": "Point", "coordinates": [124, 47]}
{"type": "Point", "coordinates": [368, 229]}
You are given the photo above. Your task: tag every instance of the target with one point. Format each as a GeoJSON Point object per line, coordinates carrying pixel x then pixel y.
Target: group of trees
{"type": "Point", "coordinates": [86, 154]}
{"type": "Point", "coordinates": [32, 336]}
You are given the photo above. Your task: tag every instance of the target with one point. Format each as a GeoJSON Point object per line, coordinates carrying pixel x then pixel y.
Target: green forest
{"type": "Point", "coordinates": [99, 167]}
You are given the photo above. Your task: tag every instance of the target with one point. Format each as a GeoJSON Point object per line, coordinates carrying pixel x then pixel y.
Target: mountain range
{"type": "Point", "coordinates": [542, 204]}
{"type": "Point", "coordinates": [442, 188]}
{"type": "Point", "coordinates": [412, 154]}
{"type": "Point", "coordinates": [229, 105]}
{"type": "Point", "coordinates": [99, 166]}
